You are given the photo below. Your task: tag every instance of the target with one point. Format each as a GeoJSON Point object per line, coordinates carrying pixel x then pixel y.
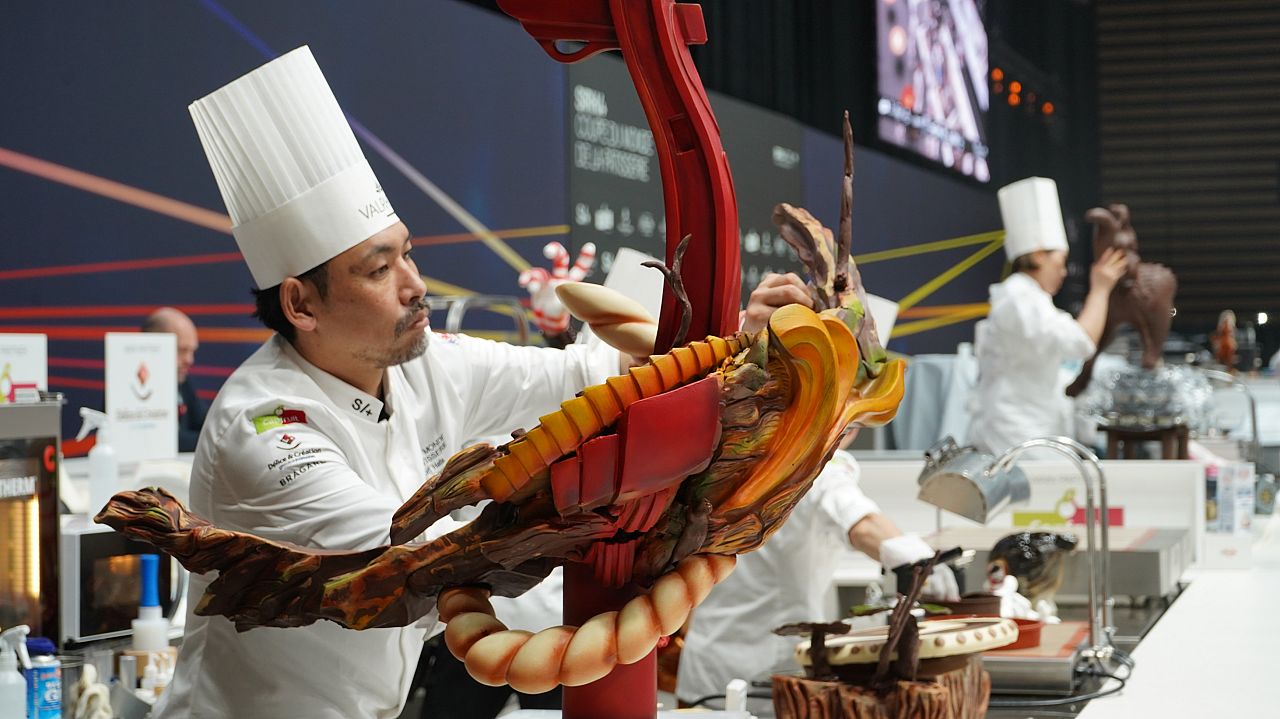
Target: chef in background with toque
{"type": "Point", "coordinates": [1024, 340]}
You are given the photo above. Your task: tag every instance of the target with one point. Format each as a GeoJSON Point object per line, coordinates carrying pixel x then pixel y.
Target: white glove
{"type": "Point", "coordinates": [908, 549]}
{"type": "Point", "coordinates": [1012, 604]}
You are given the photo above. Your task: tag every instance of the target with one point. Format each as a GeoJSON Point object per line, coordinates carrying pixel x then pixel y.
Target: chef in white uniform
{"type": "Point", "coordinates": [1024, 341]}
{"type": "Point", "coordinates": [334, 422]}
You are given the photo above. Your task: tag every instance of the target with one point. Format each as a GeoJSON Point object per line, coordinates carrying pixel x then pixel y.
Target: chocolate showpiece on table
{"type": "Point", "coordinates": [910, 669]}
{"type": "Point", "coordinates": [1142, 298]}
{"type": "Point", "coordinates": [1037, 558]}
{"type": "Point", "coordinates": [656, 478]}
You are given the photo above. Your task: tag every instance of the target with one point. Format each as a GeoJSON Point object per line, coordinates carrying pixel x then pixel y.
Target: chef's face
{"type": "Point", "coordinates": [375, 310]}
{"type": "Point", "coordinates": [188, 343]}
{"type": "Point", "coordinates": [1052, 270]}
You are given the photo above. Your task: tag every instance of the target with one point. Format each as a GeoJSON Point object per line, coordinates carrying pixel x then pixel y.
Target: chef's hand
{"type": "Point", "coordinates": [908, 549]}
{"type": "Point", "coordinates": [1108, 269]}
{"type": "Point", "coordinates": [774, 291]}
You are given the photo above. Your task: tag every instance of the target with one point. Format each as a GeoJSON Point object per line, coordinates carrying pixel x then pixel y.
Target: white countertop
{"type": "Point", "coordinates": [1214, 652]}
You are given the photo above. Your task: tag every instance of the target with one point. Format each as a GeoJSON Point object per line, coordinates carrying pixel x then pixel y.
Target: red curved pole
{"type": "Point", "coordinates": [654, 37]}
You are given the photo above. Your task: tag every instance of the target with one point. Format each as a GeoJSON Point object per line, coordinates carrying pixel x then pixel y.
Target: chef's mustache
{"type": "Point", "coordinates": [418, 305]}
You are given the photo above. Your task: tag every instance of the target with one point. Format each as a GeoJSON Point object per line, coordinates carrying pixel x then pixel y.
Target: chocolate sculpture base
{"type": "Point", "coordinates": [630, 691]}
{"type": "Point", "coordinates": [961, 693]}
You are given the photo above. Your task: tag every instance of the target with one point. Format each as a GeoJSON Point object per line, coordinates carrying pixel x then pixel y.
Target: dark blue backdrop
{"type": "Point", "coordinates": [95, 131]}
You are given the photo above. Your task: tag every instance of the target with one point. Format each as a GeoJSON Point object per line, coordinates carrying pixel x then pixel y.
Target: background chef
{"type": "Point", "coordinates": [1024, 340]}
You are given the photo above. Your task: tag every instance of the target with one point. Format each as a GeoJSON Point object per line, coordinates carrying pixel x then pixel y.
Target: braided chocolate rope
{"type": "Point", "coordinates": [573, 656]}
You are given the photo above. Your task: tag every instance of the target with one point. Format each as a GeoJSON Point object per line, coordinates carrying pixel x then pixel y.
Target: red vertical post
{"type": "Point", "coordinates": [629, 691]}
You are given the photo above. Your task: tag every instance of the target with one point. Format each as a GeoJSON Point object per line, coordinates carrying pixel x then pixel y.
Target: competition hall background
{"type": "Point", "coordinates": [108, 209]}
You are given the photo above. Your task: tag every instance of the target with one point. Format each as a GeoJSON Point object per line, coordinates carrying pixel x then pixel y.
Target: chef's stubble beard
{"type": "Point", "coordinates": [398, 356]}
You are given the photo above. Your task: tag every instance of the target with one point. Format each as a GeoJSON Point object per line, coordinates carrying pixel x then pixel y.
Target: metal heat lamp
{"type": "Point", "coordinates": [978, 486]}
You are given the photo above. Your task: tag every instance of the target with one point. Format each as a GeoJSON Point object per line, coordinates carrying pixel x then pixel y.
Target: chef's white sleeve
{"type": "Point", "coordinates": [1044, 327]}
{"type": "Point", "coordinates": [293, 483]}
{"type": "Point", "coordinates": [507, 386]}
{"type": "Point", "coordinates": [840, 501]}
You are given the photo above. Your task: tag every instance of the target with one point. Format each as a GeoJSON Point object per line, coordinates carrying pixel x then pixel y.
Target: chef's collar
{"type": "Point", "coordinates": [349, 400]}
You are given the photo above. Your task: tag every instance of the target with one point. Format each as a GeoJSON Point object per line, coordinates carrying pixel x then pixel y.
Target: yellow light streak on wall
{"type": "Point", "coordinates": [936, 283]}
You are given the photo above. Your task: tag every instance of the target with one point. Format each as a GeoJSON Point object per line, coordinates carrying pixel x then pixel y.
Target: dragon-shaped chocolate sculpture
{"type": "Point", "coordinates": [651, 482]}
{"type": "Point", "coordinates": [757, 416]}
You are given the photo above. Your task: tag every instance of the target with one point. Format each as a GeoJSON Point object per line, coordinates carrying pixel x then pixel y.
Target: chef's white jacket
{"type": "Point", "coordinates": [785, 581]}
{"type": "Point", "coordinates": [1021, 346]}
{"type": "Point", "coordinates": [291, 453]}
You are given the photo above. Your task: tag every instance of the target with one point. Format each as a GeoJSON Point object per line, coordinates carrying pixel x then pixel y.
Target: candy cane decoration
{"type": "Point", "coordinates": [573, 656]}
{"type": "Point", "coordinates": [548, 314]}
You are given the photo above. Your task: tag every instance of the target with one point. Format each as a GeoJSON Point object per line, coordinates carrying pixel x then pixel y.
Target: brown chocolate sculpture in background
{"type": "Point", "coordinates": [1038, 558]}
{"type": "Point", "coordinates": [1142, 298]}
{"type": "Point", "coordinates": [770, 408]}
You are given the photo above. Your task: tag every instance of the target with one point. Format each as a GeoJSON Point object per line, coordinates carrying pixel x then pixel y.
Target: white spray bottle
{"type": "Point", "coordinates": [13, 686]}
{"type": "Point", "coordinates": [104, 469]}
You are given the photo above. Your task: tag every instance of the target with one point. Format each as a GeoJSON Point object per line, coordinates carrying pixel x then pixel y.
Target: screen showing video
{"type": "Point", "coordinates": [932, 81]}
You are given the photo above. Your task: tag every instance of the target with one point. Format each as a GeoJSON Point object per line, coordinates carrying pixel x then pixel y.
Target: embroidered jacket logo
{"type": "Point", "coordinates": [379, 206]}
{"type": "Point", "coordinates": [280, 417]}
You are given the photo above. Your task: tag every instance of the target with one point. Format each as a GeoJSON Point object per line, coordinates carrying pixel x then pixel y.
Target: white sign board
{"type": "Point", "coordinates": [142, 394]}
{"type": "Point", "coordinates": [885, 314]}
{"type": "Point", "coordinates": [24, 367]}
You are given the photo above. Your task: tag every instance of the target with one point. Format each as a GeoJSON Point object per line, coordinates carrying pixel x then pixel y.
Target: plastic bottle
{"type": "Point", "coordinates": [151, 628]}
{"type": "Point", "coordinates": [13, 686]}
{"type": "Point", "coordinates": [44, 680]}
{"type": "Point", "coordinates": [104, 469]}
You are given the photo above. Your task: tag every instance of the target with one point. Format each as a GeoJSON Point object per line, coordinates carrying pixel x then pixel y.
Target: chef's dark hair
{"type": "Point", "coordinates": [1026, 263]}
{"type": "Point", "coordinates": [267, 302]}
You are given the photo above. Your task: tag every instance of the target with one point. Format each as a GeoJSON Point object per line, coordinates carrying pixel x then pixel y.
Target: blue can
{"type": "Point", "coordinates": [44, 681]}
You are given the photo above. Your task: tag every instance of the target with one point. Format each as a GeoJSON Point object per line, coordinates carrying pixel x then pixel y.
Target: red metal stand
{"type": "Point", "coordinates": [697, 187]}
{"type": "Point", "coordinates": [654, 38]}
{"type": "Point", "coordinates": [628, 692]}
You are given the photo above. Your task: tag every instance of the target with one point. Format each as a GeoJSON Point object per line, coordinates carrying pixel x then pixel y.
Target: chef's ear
{"type": "Point", "coordinates": [299, 301]}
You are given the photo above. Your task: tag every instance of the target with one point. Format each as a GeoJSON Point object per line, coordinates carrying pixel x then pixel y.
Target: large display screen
{"type": "Point", "coordinates": [932, 81]}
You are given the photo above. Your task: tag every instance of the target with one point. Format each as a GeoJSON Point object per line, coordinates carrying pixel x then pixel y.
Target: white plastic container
{"type": "Point", "coordinates": [104, 468]}
{"type": "Point", "coordinates": [151, 628]}
{"type": "Point", "coordinates": [13, 686]}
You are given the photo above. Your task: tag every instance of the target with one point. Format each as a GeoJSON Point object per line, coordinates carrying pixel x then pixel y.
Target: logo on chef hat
{"type": "Point", "coordinates": [141, 382]}
{"type": "Point", "coordinates": [287, 441]}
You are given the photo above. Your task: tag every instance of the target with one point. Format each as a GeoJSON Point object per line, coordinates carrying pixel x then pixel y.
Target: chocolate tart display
{"type": "Point", "coordinates": [910, 669]}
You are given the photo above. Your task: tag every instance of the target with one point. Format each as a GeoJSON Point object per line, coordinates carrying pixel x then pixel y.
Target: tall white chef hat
{"type": "Point", "coordinates": [297, 186]}
{"type": "Point", "coordinates": [1032, 217]}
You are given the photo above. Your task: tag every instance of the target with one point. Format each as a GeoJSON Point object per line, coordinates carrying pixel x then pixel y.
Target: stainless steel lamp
{"type": "Point", "coordinates": [977, 486]}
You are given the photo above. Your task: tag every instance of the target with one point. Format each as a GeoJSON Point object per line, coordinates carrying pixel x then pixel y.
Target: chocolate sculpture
{"type": "Point", "coordinates": [1143, 298]}
{"type": "Point", "coordinates": [1037, 558]}
{"type": "Point", "coordinates": [1223, 340]}
{"type": "Point", "coordinates": [907, 670]}
{"type": "Point", "coordinates": [745, 422]}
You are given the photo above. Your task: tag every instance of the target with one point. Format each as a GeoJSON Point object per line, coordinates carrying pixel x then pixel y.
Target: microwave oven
{"type": "Point", "coordinates": [101, 581]}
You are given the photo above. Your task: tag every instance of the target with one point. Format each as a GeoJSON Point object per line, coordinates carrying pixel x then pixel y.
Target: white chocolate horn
{"type": "Point", "coordinates": [617, 319]}
{"type": "Point", "coordinates": [535, 663]}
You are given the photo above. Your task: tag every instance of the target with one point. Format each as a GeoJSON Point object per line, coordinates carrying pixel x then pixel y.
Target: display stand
{"type": "Point", "coordinates": [630, 691]}
{"type": "Point", "coordinates": [653, 37]}
{"type": "Point", "coordinates": [1173, 440]}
